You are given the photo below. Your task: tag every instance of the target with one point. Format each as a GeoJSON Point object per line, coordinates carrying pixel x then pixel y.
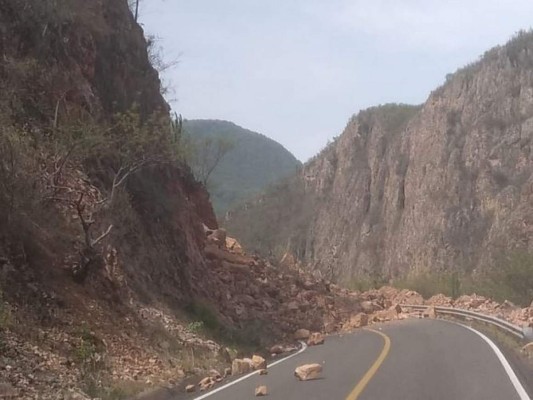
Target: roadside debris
{"type": "Point", "coordinates": [302, 334]}
{"type": "Point", "coordinates": [277, 349]}
{"type": "Point", "coordinates": [207, 383]}
{"type": "Point", "coordinates": [308, 372]}
{"type": "Point", "coordinates": [261, 391]}
{"type": "Point", "coordinates": [315, 339]}
{"type": "Point", "coordinates": [241, 366]}
{"type": "Point", "coordinates": [258, 362]}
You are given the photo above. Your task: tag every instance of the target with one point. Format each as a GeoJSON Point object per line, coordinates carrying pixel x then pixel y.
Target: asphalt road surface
{"type": "Point", "coordinates": [407, 360]}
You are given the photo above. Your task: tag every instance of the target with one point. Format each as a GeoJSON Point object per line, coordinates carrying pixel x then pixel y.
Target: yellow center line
{"type": "Point", "coordinates": [357, 390]}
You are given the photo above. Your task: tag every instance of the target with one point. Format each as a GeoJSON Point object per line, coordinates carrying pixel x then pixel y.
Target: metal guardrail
{"type": "Point", "coordinates": [521, 333]}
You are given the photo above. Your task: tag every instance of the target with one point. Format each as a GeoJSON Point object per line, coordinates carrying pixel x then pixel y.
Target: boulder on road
{"type": "Point", "coordinates": [206, 383]}
{"type": "Point", "coordinates": [277, 349]}
{"type": "Point", "coordinates": [308, 372]}
{"type": "Point", "coordinates": [217, 376]}
{"type": "Point", "coordinates": [302, 334]}
{"type": "Point", "coordinates": [261, 390]}
{"type": "Point", "coordinates": [241, 366]}
{"type": "Point", "coordinates": [356, 321]}
{"type": "Point", "coordinates": [190, 388]}
{"type": "Point", "coordinates": [258, 362]}
{"type": "Point", "coordinates": [263, 371]}
{"type": "Point", "coordinates": [315, 339]}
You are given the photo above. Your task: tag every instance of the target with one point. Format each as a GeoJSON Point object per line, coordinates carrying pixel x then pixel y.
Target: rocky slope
{"type": "Point", "coordinates": [108, 282]}
{"type": "Point", "coordinates": [254, 162]}
{"type": "Point", "coordinates": [444, 186]}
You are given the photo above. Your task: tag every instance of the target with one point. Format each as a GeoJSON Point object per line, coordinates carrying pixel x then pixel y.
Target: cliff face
{"type": "Point", "coordinates": [74, 53]}
{"type": "Point", "coordinates": [67, 68]}
{"type": "Point", "coordinates": [70, 73]}
{"type": "Point", "coordinates": [443, 186]}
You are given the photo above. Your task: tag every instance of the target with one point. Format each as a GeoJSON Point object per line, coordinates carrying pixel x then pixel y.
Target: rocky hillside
{"type": "Point", "coordinates": [446, 186]}
{"type": "Point", "coordinates": [253, 163]}
{"type": "Point", "coordinates": [111, 279]}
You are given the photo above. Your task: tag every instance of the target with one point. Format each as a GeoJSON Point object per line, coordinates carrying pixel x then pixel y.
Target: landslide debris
{"type": "Point", "coordinates": [261, 390]}
{"type": "Point", "coordinates": [308, 372]}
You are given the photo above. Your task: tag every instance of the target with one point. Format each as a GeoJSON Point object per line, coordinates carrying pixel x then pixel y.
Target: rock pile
{"type": "Point", "coordinates": [252, 289]}
{"type": "Point", "coordinates": [379, 305]}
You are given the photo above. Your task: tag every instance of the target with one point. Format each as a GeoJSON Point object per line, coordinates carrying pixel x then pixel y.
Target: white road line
{"type": "Point", "coordinates": [242, 378]}
{"type": "Point", "coordinates": [510, 373]}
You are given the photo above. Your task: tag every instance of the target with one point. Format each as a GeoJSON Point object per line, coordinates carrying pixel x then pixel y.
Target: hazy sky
{"type": "Point", "coordinates": [296, 70]}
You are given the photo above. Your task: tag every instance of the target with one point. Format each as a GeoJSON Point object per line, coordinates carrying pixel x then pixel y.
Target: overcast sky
{"type": "Point", "coordinates": [296, 70]}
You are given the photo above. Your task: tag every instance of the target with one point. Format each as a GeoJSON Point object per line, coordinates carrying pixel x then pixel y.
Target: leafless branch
{"type": "Point", "coordinates": [102, 236]}
{"type": "Point", "coordinates": [86, 225]}
{"type": "Point", "coordinates": [59, 164]}
{"type": "Point", "coordinates": [56, 113]}
{"type": "Point", "coordinates": [125, 171]}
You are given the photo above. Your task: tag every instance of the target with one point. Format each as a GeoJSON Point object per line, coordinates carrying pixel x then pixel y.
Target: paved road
{"type": "Point", "coordinates": [408, 360]}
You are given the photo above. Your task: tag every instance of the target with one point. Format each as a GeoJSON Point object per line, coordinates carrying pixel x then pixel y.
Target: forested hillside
{"type": "Point", "coordinates": [252, 163]}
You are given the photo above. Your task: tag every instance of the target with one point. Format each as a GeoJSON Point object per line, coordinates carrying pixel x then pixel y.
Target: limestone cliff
{"type": "Point", "coordinates": [446, 185]}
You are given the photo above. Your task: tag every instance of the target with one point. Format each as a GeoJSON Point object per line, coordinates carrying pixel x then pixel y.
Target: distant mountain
{"type": "Point", "coordinates": [254, 162]}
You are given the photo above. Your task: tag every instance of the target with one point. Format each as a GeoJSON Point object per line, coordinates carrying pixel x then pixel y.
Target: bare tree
{"type": "Point", "coordinates": [126, 147]}
{"type": "Point", "coordinates": [87, 223]}
{"type": "Point", "coordinates": [206, 156]}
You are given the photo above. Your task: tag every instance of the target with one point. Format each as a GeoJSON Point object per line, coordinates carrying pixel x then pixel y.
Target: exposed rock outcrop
{"type": "Point", "coordinates": [445, 186]}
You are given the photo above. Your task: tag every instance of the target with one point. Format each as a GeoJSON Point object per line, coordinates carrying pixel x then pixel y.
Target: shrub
{"type": "Point", "coordinates": [204, 315]}
{"type": "Point", "coordinates": [367, 282]}
{"type": "Point", "coordinates": [195, 327]}
{"type": "Point", "coordinates": [510, 278]}
{"type": "Point", "coordinates": [428, 283]}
